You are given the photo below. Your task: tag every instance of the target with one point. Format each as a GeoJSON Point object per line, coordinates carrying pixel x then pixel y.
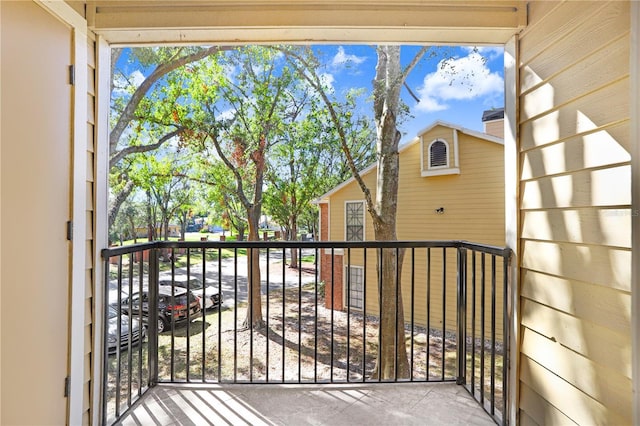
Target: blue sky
{"type": "Point", "coordinates": [457, 90]}
{"type": "Point", "coordinates": [454, 84]}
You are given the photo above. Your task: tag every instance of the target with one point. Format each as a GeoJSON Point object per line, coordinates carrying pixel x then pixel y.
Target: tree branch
{"type": "Point", "coordinates": [316, 84]}
{"type": "Point", "coordinates": [414, 62]}
{"type": "Point", "coordinates": [117, 202]}
{"type": "Point", "coordinates": [139, 94]}
{"type": "Point", "coordinates": [240, 188]}
{"type": "Point", "coordinates": [413, 95]}
{"type": "Point", "coordinates": [143, 148]}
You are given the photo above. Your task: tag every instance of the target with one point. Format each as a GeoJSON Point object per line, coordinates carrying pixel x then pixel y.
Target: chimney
{"type": "Point", "coordinates": [493, 121]}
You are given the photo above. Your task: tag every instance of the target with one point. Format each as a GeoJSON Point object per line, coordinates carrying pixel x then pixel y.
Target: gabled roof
{"type": "Point", "coordinates": [474, 133]}
{"type": "Point", "coordinates": [493, 114]}
{"type": "Point", "coordinates": [484, 136]}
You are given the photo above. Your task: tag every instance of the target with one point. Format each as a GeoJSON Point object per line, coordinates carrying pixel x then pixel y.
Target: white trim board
{"type": "Point", "coordinates": [512, 224]}
{"type": "Point", "coordinates": [78, 25]}
{"type": "Point", "coordinates": [103, 83]}
{"type": "Point", "coordinates": [634, 93]}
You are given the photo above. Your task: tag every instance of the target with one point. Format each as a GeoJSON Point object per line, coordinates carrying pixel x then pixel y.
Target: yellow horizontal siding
{"type": "Point", "coordinates": [473, 200]}
{"type": "Point", "coordinates": [538, 411]}
{"type": "Point", "coordinates": [604, 107]}
{"type": "Point", "coordinates": [606, 226]}
{"type": "Point", "coordinates": [600, 69]}
{"type": "Point", "coordinates": [585, 188]}
{"type": "Point", "coordinates": [474, 210]}
{"type": "Point", "coordinates": [568, 399]}
{"type": "Point", "coordinates": [551, 22]}
{"type": "Point", "coordinates": [600, 344]}
{"type": "Point", "coordinates": [607, 266]}
{"type": "Point", "coordinates": [428, 288]}
{"type": "Point", "coordinates": [591, 150]}
{"type": "Point", "coordinates": [560, 53]}
{"type": "Point", "coordinates": [600, 382]}
{"type": "Point", "coordinates": [574, 143]}
{"type": "Point", "coordinates": [597, 304]}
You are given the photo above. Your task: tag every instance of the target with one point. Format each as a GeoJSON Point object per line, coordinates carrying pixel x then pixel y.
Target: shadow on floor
{"type": "Point", "coordinates": [326, 404]}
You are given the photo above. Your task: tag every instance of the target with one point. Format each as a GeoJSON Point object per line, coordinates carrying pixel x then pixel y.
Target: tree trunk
{"type": "Point", "coordinates": [392, 362]}
{"type": "Point", "coordinates": [254, 298]}
{"type": "Point", "coordinates": [132, 229]}
{"type": "Point", "coordinates": [117, 202]}
{"type": "Point", "coordinates": [183, 226]}
{"type": "Point", "coordinates": [166, 229]}
{"type": "Point", "coordinates": [150, 219]}
{"type": "Point", "coordinates": [293, 236]}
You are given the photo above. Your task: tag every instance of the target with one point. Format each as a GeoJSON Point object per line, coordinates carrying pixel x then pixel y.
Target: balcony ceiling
{"type": "Point", "coordinates": [301, 21]}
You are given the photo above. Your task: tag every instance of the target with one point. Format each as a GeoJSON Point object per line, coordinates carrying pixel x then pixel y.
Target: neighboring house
{"type": "Point", "coordinates": [451, 187]}
{"type": "Point", "coordinates": [493, 122]}
{"type": "Point", "coordinates": [572, 167]}
{"type": "Point", "coordinates": [143, 231]}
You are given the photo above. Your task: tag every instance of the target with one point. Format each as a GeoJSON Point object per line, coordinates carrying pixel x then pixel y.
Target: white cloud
{"type": "Point", "coordinates": [341, 59]}
{"type": "Point", "coordinates": [459, 79]}
{"type": "Point", "coordinates": [488, 52]}
{"type": "Point", "coordinates": [136, 78]}
{"type": "Point", "coordinates": [227, 114]}
{"type": "Point", "coordinates": [327, 80]}
{"type": "Point", "coordinates": [120, 83]}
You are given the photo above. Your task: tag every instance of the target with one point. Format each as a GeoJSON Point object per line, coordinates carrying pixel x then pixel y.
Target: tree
{"type": "Point", "coordinates": [293, 171]}
{"type": "Point", "coordinates": [219, 192]}
{"type": "Point", "coordinates": [305, 164]}
{"type": "Point", "coordinates": [389, 79]}
{"type": "Point", "coordinates": [309, 219]}
{"type": "Point", "coordinates": [162, 179]}
{"type": "Point", "coordinates": [127, 222]}
{"type": "Point", "coordinates": [241, 118]}
{"type": "Point", "coordinates": [144, 116]}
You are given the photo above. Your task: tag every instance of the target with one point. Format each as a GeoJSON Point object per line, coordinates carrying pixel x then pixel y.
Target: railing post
{"type": "Point", "coordinates": [462, 315]}
{"type": "Point", "coordinates": [152, 315]}
{"type": "Point", "coordinates": [105, 319]}
{"type": "Point", "coordinates": [506, 322]}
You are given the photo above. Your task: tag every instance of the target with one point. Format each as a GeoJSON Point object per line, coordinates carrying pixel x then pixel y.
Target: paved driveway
{"type": "Point", "coordinates": [233, 277]}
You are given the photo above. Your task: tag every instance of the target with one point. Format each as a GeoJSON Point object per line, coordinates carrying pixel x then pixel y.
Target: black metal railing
{"type": "Point", "coordinates": [319, 319]}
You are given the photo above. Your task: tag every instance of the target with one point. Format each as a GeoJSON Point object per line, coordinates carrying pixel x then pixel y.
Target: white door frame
{"type": "Point", "coordinates": [76, 356]}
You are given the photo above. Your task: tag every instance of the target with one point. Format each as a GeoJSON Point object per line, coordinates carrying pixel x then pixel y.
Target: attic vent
{"type": "Point", "coordinates": [437, 157]}
{"type": "Point", "coordinates": [438, 154]}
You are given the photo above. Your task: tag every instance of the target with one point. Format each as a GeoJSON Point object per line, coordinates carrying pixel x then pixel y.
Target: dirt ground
{"type": "Point", "coordinates": [301, 342]}
{"type": "Point", "coordinates": [308, 343]}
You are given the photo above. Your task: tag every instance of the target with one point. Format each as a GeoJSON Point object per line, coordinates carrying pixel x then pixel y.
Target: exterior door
{"type": "Point", "coordinates": [35, 207]}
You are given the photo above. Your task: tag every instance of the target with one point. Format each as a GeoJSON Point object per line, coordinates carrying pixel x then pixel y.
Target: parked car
{"type": "Point", "coordinates": [178, 308]}
{"type": "Point", "coordinates": [209, 295]}
{"type": "Point", "coordinates": [136, 334]}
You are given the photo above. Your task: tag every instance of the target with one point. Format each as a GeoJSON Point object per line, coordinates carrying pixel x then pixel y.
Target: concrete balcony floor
{"type": "Point", "coordinates": [326, 404]}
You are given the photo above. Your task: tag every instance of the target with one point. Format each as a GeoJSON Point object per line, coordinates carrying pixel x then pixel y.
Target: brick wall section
{"type": "Point", "coordinates": [332, 292]}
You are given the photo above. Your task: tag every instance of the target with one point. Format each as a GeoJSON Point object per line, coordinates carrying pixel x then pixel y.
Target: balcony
{"type": "Point", "coordinates": [319, 338]}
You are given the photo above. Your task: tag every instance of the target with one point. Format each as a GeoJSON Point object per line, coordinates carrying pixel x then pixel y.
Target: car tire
{"type": "Point", "coordinates": [162, 325]}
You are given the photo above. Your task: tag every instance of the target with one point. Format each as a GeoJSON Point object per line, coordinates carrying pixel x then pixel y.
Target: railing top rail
{"type": "Point", "coordinates": [485, 248]}
{"type": "Point", "coordinates": [117, 251]}
{"type": "Point", "coordinates": [133, 248]}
